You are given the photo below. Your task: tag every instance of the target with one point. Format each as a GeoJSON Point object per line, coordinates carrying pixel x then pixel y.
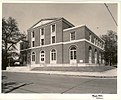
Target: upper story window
{"type": "Point", "coordinates": [32, 39]}
{"type": "Point", "coordinates": [42, 31]}
{"type": "Point", "coordinates": [72, 36]}
{"type": "Point", "coordinates": [97, 42]}
{"type": "Point", "coordinates": [100, 43]}
{"type": "Point", "coordinates": [42, 41]}
{"type": "Point", "coordinates": [53, 39]}
{"type": "Point", "coordinates": [90, 37]}
{"type": "Point", "coordinates": [33, 44]}
{"type": "Point", "coordinates": [53, 33]}
{"type": "Point", "coordinates": [103, 46]}
{"type": "Point", "coordinates": [33, 34]}
{"type": "Point", "coordinates": [53, 28]}
{"type": "Point", "coordinates": [94, 40]}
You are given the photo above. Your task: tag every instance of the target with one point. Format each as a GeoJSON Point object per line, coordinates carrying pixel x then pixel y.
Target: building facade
{"type": "Point", "coordinates": [57, 42]}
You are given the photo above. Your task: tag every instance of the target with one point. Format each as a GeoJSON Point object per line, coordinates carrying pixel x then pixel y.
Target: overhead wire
{"type": "Point", "coordinates": [111, 14]}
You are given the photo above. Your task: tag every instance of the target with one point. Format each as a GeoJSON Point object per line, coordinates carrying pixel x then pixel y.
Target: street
{"type": "Point", "coordinates": [45, 83]}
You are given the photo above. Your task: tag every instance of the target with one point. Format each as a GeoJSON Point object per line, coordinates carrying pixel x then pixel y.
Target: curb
{"type": "Point", "coordinates": [81, 75]}
{"type": "Point", "coordinates": [64, 74]}
{"type": "Point", "coordinates": [100, 76]}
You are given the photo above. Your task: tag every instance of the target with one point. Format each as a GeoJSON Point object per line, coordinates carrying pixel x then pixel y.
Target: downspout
{"type": "Point", "coordinates": [62, 42]}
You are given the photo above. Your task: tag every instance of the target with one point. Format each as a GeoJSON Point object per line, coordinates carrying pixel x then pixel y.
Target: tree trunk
{"type": "Point", "coordinates": [5, 60]}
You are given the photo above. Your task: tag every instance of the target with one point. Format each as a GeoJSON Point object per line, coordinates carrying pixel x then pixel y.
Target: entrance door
{"type": "Point", "coordinates": [73, 58]}
{"type": "Point", "coordinates": [95, 56]}
{"type": "Point", "coordinates": [90, 55]}
{"type": "Point", "coordinates": [33, 58]}
{"type": "Point", "coordinates": [53, 56]}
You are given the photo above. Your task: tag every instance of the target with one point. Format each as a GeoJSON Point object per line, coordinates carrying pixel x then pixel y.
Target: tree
{"type": "Point", "coordinates": [10, 37]}
{"type": "Point", "coordinates": [110, 53]}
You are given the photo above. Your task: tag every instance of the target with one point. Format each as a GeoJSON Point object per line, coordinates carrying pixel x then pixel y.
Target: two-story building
{"type": "Point", "coordinates": [57, 42]}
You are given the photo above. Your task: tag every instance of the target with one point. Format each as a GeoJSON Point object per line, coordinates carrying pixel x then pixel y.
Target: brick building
{"type": "Point", "coordinates": [57, 42]}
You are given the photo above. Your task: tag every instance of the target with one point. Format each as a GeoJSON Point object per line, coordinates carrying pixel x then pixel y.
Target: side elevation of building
{"type": "Point", "coordinates": [57, 42]}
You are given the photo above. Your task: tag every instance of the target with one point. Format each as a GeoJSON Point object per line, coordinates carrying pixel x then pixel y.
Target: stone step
{"type": "Point", "coordinates": [18, 68]}
{"type": "Point", "coordinates": [74, 69]}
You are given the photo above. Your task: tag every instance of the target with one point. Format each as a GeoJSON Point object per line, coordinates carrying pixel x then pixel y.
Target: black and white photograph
{"type": "Point", "coordinates": [59, 48]}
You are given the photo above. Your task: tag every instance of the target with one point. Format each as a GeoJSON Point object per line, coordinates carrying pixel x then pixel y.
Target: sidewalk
{"type": "Point", "coordinates": [106, 74]}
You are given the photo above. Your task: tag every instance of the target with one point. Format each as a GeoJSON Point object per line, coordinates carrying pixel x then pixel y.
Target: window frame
{"type": "Point", "coordinates": [53, 56]}
{"type": "Point", "coordinates": [42, 31]}
{"type": "Point", "coordinates": [42, 42]}
{"type": "Point", "coordinates": [52, 28]}
{"type": "Point", "coordinates": [33, 34]}
{"type": "Point", "coordinates": [52, 39]}
{"type": "Point", "coordinates": [33, 43]}
{"type": "Point", "coordinates": [72, 53]}
{"type": "Point", "coordinates": [42, 56]}
{"type": "Point", "coordinates": [90, 37]}
{"type": "Point", "coordinates": [53, 33]}
{"type": "Point", "coordinates": [72, 35]}
{"type": "Point", "coordinates": [32, 38]}
{"type": "Point", "coordinates": [33, 55]}
{"type": "Point", "coordinates": [42, 36]}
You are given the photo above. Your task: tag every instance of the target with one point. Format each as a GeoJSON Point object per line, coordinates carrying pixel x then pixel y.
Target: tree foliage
{"type": "Point", "coordinates": [10, 37]}
{"type": "Point", "coordinates": [110, 53]}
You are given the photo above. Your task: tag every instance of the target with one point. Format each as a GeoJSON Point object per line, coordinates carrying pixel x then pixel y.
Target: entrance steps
{"type": "Point", "coordinates": [74, 69]}
{"type": "Point", "coordinates": [18, 68]}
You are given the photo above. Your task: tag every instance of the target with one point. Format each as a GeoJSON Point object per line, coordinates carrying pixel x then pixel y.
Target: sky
{"type": "Point", "coordinates": [94, 15]}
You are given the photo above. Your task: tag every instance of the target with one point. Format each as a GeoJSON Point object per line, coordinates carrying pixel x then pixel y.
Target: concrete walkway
{"type": "Point", "coordinates": [106, 74]}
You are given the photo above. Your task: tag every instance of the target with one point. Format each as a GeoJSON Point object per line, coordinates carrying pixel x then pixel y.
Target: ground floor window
{"type": "Point", "coordinates": [42, 56]}
{"type": "Point", "coordinates": [95, 55]}
{"type": "Point", "coordinates": [99, 58]}
{"type": "Point", "coordinates": [53, 54]}
{"type": "Point", "coordinates": [90, 55]}
{"type": "Point", "coordinates": [73, 53]}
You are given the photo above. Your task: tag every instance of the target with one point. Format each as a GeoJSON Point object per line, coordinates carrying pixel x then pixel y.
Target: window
{"type": "Point", "coordinates": [32, 39]}
{"type": "Point", "coordinates": [53, 39]}
{"type": "Point", "coordinates": [53, 28]}
{"type": "Point", "coordinates": [33, 34]}
{"type": "Point", "coordinates": [98, 42]}
{"type": "Point", "coordinates": [99, 58]}
{"type": "Point", "coordinates": [53, 54]}
{"type": "Point", "coordinates": [33, 43]}
{"type": "Point", "coordinates": [101, 44]}
{"type": "Point", "coordinates": [73, 53]}
{"type": "Point", "coordinates": [42, 41]}
{"type": "Point", "coordinates": [90, 37]}
{"type": "Point", "coordinates": [42, 31]}
{"type": "Point", "coordinates": [94, 40]}
{"type": "Point", "coordinates": [95, 56]}
{"type": "Point", "coordinates": [42, 56]}
{"type": "Point", "coordinates": [53, 34]}
{"type": "Point", "coordinates": [33, 56]}
{"type": "Point", "coordinates": [90, 55]}
{"type": "Point", "coordinates": [72, 36]}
